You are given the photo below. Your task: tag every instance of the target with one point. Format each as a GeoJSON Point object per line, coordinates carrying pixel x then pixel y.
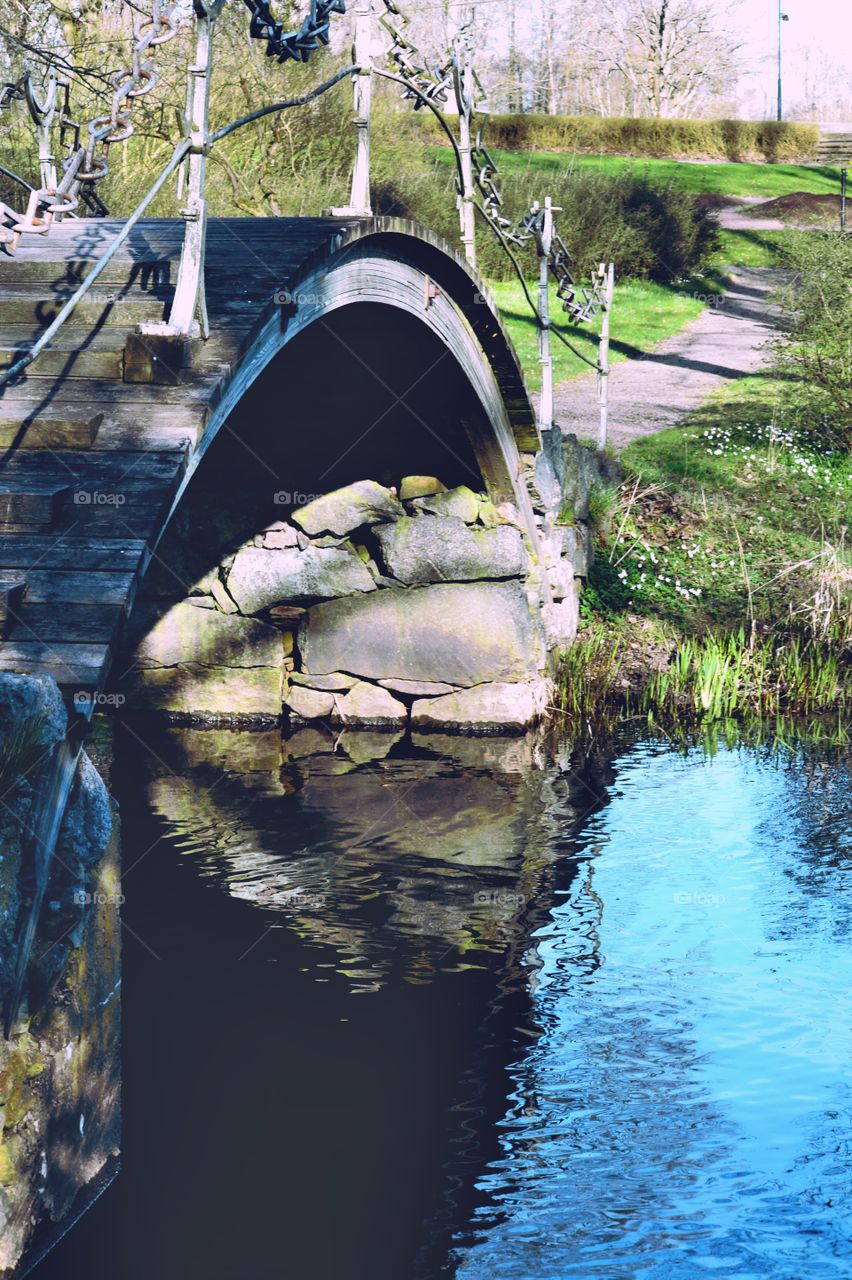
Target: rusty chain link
{"type": "Point", "coordinates": [86, 161]}
{"type": "Point", "coordinates": [425, 83]}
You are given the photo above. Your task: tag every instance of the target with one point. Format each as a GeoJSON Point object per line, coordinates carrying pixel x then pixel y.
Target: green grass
{"type": "Point", "coordinates": [643, 315]}
{"type": "Point", "coordinates": [722, 583]}
{"type": "Point", "coordinates": [722, 178]}
{"type": "Point", "coordinates": [740, 518]}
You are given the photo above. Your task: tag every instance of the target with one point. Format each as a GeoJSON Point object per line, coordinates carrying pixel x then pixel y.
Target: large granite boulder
{"type": "Point", "coordinates": [364, 502]}
{"type": "Point", "coordinates": [206, 664]}
{"type": "Point", "coordinates": [219, 695]}
{"type": "Point", "coordinates": [456, 633]}
{"type": "Point", "coordinates": [488, 709]}
{"type": "Point", "coordinates": [208, 638]}
{"type": "Point", "coordinates": [260, 577]}
{"type": "Point", "coordinates": [561, 621]}
{"type": "Point", "coordinates": [31, 707]}
{"type": "Point", "coordinates": [429, 548]}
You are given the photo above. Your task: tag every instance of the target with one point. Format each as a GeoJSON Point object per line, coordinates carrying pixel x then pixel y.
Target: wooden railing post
{"type": "Point", "coordinates": [188, 315]}
{"type": "Point", "coordinates": [465, 87]}
{"type": "Point", "coordinates": [360, 198]}
{"type": "Point", "coordinates": [545, 357]}
{"type": "Point", "coordinates": [607, 274]}
{"type": "Point", "coordinates": [362, 56]}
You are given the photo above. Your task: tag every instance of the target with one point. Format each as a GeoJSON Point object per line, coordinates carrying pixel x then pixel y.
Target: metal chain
{"type": "Point", "coordinates": [295, 45]}
{"type": "Point", "coordinates": [580, 303]}
{"type": "Point", "coordinates": [86, 161]}
{"type": "Point", "coordinates": [12, 92]}
{"type": "Point", "coordinates": [429, 83]}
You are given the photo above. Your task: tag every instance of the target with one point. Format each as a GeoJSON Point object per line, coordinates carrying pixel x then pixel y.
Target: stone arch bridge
{"type": "Point", "coordinates": [104, 432]}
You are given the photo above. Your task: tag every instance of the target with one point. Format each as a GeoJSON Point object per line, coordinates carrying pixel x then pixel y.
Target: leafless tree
{"type": "Point", "coordinates": [669, 53]}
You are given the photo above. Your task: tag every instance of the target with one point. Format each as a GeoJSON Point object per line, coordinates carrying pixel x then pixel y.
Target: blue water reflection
{"type": "Point", "coordinates": [685, 1111]}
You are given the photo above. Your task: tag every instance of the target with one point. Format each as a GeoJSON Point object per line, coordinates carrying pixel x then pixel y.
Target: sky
{"type": "Point", "coordinates": [816, 43]}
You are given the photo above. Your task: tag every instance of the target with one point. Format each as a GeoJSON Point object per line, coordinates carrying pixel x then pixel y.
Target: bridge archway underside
{"type": "Point", "coordinates": [92, 465]}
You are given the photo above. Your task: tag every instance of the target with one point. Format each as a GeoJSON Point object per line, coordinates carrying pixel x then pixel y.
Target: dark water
{"type": "Point", "coordinates": [480, 1012]}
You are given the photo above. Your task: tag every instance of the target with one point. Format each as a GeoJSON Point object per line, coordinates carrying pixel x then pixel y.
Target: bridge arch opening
{"type": "Point", "coordinates": [366, 392]}
{"type": "Point", "coordinates": [373, 371]}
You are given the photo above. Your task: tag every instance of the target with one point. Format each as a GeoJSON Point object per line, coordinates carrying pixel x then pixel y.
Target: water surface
{"type": "Point", "coordinates": [480, 1010]}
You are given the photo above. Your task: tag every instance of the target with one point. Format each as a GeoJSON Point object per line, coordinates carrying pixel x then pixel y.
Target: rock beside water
{"type": "Point", "coordinates": [370, 707]}
{"type": "Point", "coordinates": [488, 709]}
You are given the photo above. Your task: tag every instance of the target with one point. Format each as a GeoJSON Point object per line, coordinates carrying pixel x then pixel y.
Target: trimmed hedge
{"type": "Point", "coordinates": [767, 140]}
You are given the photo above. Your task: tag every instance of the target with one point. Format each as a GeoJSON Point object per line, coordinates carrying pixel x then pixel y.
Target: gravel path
{"type": "Point", "coordinates": [658, 388]}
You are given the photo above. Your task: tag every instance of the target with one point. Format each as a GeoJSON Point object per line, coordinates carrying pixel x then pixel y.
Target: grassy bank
{"type": "Point", "coordinates": [643, 315]}
{"type": "Point", "coordinates": [723, 579]}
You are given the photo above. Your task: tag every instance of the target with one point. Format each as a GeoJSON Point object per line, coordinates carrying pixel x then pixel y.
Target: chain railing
{"type": "Point", "coordinates": [86, 161]}
{"type": "Point", "coordinates": [424, 84]}
{"type": "Point", "coordinates": [293, 45]}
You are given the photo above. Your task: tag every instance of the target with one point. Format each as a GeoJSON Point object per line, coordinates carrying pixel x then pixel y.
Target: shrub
{"type": "Point", "coordinates": [817, 350]}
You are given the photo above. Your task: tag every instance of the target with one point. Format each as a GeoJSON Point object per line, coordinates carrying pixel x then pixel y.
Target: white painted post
{"type": "Point", "coordinates": [189, 309]}
{"type": "Point", "coordinates": [464, 95]}
{"type": "Point", "coordinates": [362, 55]}
{"type": "Point", "coordinates": [42, 114]}
{"type": "Point", "coordinates": [545, 358]}
{"type": "Point", "coordinates": [46, 158]}
{"type": "Point", "coordinates": [607, 273]}
{"type": "Point", "coordinates": [360, 198]}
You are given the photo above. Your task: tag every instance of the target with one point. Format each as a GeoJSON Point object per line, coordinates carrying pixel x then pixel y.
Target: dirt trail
{"type": "Point", "coordinates": [658, 388]}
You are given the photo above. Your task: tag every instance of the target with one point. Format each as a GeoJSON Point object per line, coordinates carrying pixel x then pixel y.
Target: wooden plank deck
{"type": "Point", "coordinates": [117, 452]}
{"type": "Point", "coordinates": [114, 452]}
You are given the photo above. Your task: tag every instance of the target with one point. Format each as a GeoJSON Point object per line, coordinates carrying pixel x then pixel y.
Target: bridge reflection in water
{"type": "Point", "coordinates": [328, 982]}
{"type": "Point", "coordinates": [470, 1012]}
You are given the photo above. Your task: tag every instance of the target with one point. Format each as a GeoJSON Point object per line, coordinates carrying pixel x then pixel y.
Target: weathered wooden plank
{"type": "Point", "coordinates": [23, 304]}
{"type": "Point", "coordinates": [196, 387]}
{"type": "Point", "coordinates": [71, 665]}
{"type": "Point", "coordinates": [132, 423]}
{"type": "Point", "coordinates": [50, 433]}
{"type": "Point", "coordinates": [81, 363]}
{"type": "Point", "coordinates": [135, 519]}
{"type": "Point", "coordinates": [30, 505]}
{"type": "Point", "coordinates": [58, 588]}
{"type": "Point", "coordinates": [126, 432]}
{"type": "Point", "coordinates": [149, 272]}
{"type": "Point", "coordinates": [69, 551]}
{"type": "Point", "coordinates": [136, 465]}
{"type": "Point", "coordinates": [73, 623]}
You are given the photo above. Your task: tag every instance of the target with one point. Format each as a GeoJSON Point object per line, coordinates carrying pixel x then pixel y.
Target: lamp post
{"type": "Point", "coordinates": [782, 17]}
